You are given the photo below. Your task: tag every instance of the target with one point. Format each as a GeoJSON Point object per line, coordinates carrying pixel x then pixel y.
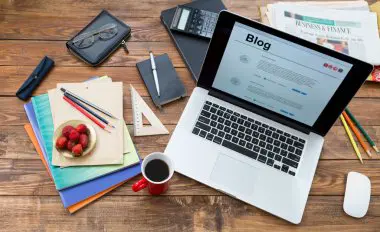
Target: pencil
{"type": "Point", "coordinates": [357, 134]}
{"type": "Point", "coordinates": [89, 116]}
{"type": "Point", "coordinates": [354, 145]}
{"type": "Point", "coordinates": [371, 142]}
{"type": "Point", "coordinates": [88, 110]}
{"type": "Point", "coordinates": [88, 103]}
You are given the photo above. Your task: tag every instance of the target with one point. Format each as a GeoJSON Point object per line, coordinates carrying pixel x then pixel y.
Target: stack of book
{"type": "Point", "coordinates": [349, 27]}
{"type": "Point", "coordinates": [114, 160]}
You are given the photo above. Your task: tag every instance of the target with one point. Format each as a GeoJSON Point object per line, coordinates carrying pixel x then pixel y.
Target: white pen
{"type": "Point", "coordinates": [154, 72]}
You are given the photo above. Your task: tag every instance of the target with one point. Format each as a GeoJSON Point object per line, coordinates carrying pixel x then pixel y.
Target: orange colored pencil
{"type": "Point", "coordinates": [357, 133]}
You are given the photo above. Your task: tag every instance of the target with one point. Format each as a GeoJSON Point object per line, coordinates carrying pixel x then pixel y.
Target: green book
{"type": "Point", "coordinates": [71, 176]}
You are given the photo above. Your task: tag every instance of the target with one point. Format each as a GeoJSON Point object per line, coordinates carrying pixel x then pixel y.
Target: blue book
{"type": "Point", "coordinates": [78, 193]}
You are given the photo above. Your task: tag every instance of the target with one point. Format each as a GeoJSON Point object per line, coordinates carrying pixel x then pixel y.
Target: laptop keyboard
{"type": "Point", "coordinates": [257, 140]}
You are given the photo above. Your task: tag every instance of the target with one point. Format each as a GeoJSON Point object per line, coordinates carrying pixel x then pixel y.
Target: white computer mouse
{"type": "Point", "coordinates": [358, 195]}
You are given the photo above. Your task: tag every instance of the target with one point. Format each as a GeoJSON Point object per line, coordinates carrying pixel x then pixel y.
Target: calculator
{"type": "Point", "coordinates": [194, 21]}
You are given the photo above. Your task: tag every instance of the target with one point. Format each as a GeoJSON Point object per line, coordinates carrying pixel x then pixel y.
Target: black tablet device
{"type": "Point", "coordinates": [282, 77]}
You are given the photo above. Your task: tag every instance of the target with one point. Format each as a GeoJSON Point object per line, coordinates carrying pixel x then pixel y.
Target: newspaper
{"type": "Point", "coordinates": [337, 5]}
{"type": "Point", "coordinates": [352, 32]}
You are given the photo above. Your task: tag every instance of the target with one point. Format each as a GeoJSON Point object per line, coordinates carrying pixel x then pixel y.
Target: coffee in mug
{"type": "Point", "coordinates": [157, 169]}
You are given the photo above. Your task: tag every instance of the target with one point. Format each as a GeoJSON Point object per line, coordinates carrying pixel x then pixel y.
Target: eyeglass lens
{"type": "Point", "coordinates": [105, 32]}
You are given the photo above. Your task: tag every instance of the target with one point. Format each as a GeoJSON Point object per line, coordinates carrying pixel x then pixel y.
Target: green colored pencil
{"type": "Point", "coordinates": [362, 130]}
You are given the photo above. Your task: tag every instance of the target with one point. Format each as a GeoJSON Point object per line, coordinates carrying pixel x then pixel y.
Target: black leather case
{"type": "Point", "coordinates": [101, 49]}
{"type": "Point", "coordinates": [35, 78]}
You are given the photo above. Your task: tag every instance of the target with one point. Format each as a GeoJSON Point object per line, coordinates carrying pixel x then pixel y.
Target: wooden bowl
{"type": "Point", "coordinates": [91, 138]}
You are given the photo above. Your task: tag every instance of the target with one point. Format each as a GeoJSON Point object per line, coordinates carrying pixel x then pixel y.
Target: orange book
{"type": "Point", "coordinates": [81, 204]}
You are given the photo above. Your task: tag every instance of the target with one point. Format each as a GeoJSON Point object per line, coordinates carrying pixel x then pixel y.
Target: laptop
{"type": "Point", "coordinates": [254, 126]}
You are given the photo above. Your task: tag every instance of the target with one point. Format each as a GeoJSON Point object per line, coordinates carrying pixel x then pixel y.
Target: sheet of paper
{"type": "Point", "coordinates": [127, 148]}
{"type": "Point", "coordinates": [109, 148]}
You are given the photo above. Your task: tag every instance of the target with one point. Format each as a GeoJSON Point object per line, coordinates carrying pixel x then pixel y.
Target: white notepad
{"type": "Point", "coordinates": [109, 147]}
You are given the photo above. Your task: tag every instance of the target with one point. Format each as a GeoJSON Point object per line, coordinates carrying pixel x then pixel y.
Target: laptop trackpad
{"type": "Point", "coordinates": [233, 176]}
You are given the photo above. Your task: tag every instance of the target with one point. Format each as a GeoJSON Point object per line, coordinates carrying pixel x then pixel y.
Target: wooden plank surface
{"type": "Point", "coordinates": [11, 77]}
{"type": "Point", "coordinates": [176, 213]}
{"type": "Point", "coordinates": [121, 8]}
{"type": "Point", "coordinates": [15, 145]}
{"type": "Point", "coordinates": [29, 177]}
{"type": "Point", "coordinates": [170, 113]}
{"type": "Point", "coordinates": [29, 53]}
{"type": "Point", "coordinates": [28, 200]}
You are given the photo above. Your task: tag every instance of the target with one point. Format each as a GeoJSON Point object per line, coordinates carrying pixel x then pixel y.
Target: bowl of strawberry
{"type": "Point", "coordinates": [75, 138]}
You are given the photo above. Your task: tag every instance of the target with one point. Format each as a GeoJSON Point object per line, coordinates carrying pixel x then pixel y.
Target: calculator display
{"type": "Point", "coordinates": [184, 16]}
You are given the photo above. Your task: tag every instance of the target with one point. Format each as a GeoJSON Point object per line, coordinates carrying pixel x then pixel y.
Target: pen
{"type": "Point", "coordinates": [154, 72]}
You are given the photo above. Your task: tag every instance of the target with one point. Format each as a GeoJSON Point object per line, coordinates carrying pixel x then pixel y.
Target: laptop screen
{"type": "Point", "coordinates": [279, 75]}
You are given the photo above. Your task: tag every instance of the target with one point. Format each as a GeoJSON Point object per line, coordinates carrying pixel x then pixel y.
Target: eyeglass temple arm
{"type": "Point", "coordinates": [94, 32]}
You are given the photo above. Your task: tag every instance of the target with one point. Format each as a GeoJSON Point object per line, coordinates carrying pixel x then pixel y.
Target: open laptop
{"type": "Point", "coordinates": [254, 126]}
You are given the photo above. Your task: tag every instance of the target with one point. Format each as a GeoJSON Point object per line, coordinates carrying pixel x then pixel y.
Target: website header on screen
{"type": "Point", "coordinates": [279, 75]}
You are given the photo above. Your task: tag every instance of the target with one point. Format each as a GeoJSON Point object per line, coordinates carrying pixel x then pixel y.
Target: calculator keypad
{"type": "Point", "coordinates": [203, 23]}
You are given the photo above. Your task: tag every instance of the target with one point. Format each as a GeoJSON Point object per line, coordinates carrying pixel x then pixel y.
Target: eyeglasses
{"type": "Point", "coordinates": [87, 39]}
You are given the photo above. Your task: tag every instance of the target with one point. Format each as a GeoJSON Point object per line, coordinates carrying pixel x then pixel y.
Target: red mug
{"type": "Point", "coordinates": [155, 188]}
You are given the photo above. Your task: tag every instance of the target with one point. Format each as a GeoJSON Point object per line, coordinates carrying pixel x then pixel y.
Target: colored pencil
{"type": "Point", "coordinates": [357, 134]}
{"type": "Point", "coordinates": [371, 142]}
{"type": "Point", "coordinates": [88, 110]}
{"type": "Point", "coordinates": [353, 143]}
{"type": "Point", "coordinates": [89, 116]}
{"type": "Point", "coordinates": [88, 103]}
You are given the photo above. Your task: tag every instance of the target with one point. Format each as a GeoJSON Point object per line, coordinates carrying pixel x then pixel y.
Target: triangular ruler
{"type": "Point", "coordinates": [139, 107]}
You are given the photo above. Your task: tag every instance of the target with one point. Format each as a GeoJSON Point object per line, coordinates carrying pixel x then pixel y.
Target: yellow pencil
{"type": "Point", "coordinates": [354, 145]}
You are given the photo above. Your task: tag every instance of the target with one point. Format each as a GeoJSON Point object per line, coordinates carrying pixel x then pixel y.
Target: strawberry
{"type": "Point", "coordinates": [66, 131]}
{"type": "Point", "coordinates": [83, 140]}
{"type": "Point", "coordinates": [74, 135]}
{"type": "Point", "coordinates": [81, 128]}
{"type": "Point", "coordinates": [61, 142]}
{"type": "Point", "coordinates": [77, 150]}
{"type": "Point", "coordinates": [70, 145]}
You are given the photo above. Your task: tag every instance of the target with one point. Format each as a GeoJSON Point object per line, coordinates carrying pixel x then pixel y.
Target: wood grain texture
{"type": "Point", "coordinates": [73, 8]}
{"type": "Point", "coordinates": [28, 199]}
{"type": "Point", "coordinates": [176, 213]}
{"type": "Point", "coordinates": [11, 77]}
{"type": "Point", "coordinates": [120, 8]}
{"type": "Point", "coordinates": [23, 27]}
{"type": "Point", "coordinates": [9, 115]}
{"type": "Point", "coordinates": [15, 145]}
{"type": "Point", "coordinates": [29, 53]}
{"type": "Point", "coordinates": [29, 177]}
{"type": "Point", "coordinates": [18, 18]}
{"type": "Point", "coordinates": [170, 114]}
{"type": "Point", "coordinates": [22, 172]}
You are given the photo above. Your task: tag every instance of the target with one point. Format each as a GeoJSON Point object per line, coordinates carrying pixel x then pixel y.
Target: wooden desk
{"type": "Point", "coordinates": [28, 200]}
